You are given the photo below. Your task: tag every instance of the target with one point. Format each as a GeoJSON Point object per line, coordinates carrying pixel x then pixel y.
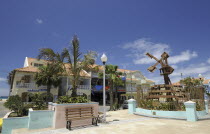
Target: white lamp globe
{"type": "Point", "coordinates": [200, 76]}
{"type": "Point", "coordinates": [104, 58]}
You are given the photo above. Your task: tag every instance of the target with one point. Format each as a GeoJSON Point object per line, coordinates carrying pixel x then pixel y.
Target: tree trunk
{"type": "Point", "coordinates": [48, 93]}
{"type": "Point", "coordinates": [74, 92]}
{"type": "Point", "coordinates": [74, 89]}
{"type": "Point", "coordinates": [116, 97]}
{"type": "Point", "coordinates": [111, 96]}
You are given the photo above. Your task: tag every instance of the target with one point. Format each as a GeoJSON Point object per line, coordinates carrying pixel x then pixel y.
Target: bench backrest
{"type": "Point", "coordinates": [81, 112]}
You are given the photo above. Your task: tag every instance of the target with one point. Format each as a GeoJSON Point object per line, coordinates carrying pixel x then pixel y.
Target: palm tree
{"type": "Point", "coordinates": [117, 82]}
{"type": "Point", "coordinates": [53, 58]}
{"type": "Point", "coordinates": [49, 75]}
{"type": "Point", "coordinates": [77, 64]}
{"type": "Point", "coordinates": [73, 57]}
{"type": "Point", "coordinates": [113, 80]}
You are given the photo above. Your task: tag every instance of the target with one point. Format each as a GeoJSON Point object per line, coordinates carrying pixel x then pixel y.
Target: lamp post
{"type": "Point", "coordinates": [200, 77]}
{"type": "Point", "coordinates": [104, 60]}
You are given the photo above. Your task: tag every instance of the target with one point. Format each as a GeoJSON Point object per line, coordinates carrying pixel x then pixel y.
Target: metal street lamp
{"type": "Point", "coordinates": [104, 60]}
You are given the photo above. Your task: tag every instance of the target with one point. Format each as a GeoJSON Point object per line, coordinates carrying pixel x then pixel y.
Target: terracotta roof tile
{"type": "Point", "coordinates": [27, 69]}
{"type": "Point", "coordinates": [35, 69]}
{"type": "Point", "coordinates": [206, 81]}
{"type": "Point", "coordinates": [150, 81]}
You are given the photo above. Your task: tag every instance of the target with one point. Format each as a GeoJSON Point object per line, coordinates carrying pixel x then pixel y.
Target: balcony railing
{"type": "Point", "coordinates": [130, 88]}
{"type": "Point", "coordinates": [29, 85]}
{"type": "Point", "coordinates": [84, 87]}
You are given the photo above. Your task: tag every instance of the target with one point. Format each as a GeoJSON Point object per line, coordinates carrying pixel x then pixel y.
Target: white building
{"type": "Point", "coordinates": [23, 82]}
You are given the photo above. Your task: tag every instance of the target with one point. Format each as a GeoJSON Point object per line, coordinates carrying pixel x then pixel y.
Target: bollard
{"type": "Point", "coordinates": [191, 111]}
{"type": "Point", "coordinates": [131, 106]}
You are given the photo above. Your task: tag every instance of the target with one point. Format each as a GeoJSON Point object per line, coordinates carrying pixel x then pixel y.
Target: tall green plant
{"type": "Point", "coordinates": [15, 104]}
{"type": "Point", "coordinates": [74, 58]}
{"type": "Point", "coordinates": [38, 100]}
{"type": "Point", "coordinates": [49, 75]}
{"type": "Point", "coordinates": [192, 87]}
{"type": "Point", "coordinates": [77, 64]}
{"type": "Point", "coordinates": [53, 59]}
{"type": "Point", "coordinates": [114, 80]}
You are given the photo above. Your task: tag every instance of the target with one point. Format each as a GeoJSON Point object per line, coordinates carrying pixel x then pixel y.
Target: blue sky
{"type": "Point", "coordinates": [123, 29]}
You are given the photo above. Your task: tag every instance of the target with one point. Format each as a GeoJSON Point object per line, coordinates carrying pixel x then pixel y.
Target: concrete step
{"type": "Point", "coordinates": [27, 131]}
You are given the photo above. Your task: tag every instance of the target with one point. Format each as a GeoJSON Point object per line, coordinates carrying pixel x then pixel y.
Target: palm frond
{"type": "Point", "coordinates": [46, 54]}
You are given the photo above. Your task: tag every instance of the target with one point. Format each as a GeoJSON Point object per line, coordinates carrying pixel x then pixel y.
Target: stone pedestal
{"type": "Point", "coordinates": [191, 111]}
{"type": "Point", "coordinates": [131, 106]}
{"type": "Point", "coordinates": [206, 106]}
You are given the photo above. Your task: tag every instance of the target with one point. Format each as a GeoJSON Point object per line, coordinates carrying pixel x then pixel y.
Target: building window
{"type": "Point", "coordinates": [37, 65]}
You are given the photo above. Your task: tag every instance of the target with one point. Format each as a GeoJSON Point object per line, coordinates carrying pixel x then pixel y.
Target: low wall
{"type": "Point", "coordinates": [201, 113]}
{"type": "Point", "coordinates": [40, 119]}
{"type": "Point", "coordinates": [190, 113]}
{"type": "Point", "coordinates": [59, 116]}
{"type": "Point", "coordinates": [35, 120]}
{"type": "Point", "coordinates": [14, 123]}
{"type": "Point", "coordinates": [54, 117]}
{"type": "Point", "coordinates": [174, 114]}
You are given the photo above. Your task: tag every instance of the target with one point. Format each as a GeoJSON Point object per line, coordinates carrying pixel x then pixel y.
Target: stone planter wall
{"type": "Point", "coordinates": [190, 114]}
{"type": "Point", "coordinates": [52, 118]}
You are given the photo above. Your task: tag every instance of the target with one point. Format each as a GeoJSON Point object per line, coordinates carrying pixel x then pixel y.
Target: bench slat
{"type": "Point", "coordinates": [70, 113]}
{"type": "Point", "coordinates": [78, 110]}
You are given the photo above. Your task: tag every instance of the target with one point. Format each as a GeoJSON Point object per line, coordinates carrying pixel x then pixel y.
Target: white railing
{"type": "Point", "coordinates": [29, 85]}
{"type": "Point", "coordinates": [85, 87]}
{"type": "Point", "coordinates": [26, 85]}
{"type": "Point", "coordinates": [131, 88]}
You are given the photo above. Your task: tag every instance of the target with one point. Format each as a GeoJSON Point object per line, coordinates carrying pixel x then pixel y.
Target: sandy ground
{"type": "Point", "coordinates": [134, 124]}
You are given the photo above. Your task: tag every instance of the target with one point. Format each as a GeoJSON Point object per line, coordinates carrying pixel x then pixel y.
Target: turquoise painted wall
{"type": "Point", "coordinates": [35, 120]}
{"type": "Point", "coordinates": [201, 113]}
{"type": "Point", "coordinates": [179, 114]}
{"type": "Point", "coordinates": [40, 119]}
{"type": "Point", "coordinates": [14, 123]}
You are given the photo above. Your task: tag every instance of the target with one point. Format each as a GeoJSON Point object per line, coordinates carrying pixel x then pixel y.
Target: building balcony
{"type": "Point", "coordinates": [29, 85]}
{"type": "Point", "coordinates": [84, 87]}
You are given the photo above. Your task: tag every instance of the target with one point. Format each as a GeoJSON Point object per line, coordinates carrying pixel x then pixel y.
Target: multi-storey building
{"type": "Point", "coordinates": [23, 82]}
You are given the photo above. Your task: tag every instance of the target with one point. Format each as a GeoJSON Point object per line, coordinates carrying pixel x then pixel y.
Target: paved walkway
{"type": "Point", "coordinates": [133, 124]}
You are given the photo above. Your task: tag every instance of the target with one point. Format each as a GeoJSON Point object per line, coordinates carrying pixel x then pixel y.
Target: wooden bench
{"type": "Point", "coordinates": [80, 113]}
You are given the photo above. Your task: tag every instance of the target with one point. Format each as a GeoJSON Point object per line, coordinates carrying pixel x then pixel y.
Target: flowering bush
{"type": "Point", "coordinates": [67, 99]}
{"type": "Point", "coordinates": [1, 122]}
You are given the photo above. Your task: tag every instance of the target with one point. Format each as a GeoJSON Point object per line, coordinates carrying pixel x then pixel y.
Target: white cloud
{"type": "Point", "coordinates": [208, 61]}
{"type": "Point", "coordinates": [39, 21]}
{"type": "Point", "coordinates": [140, 47]}
{"type": "Point", "coordinates": [192, 70]}
{"type": "Point", "coordinates": [3, 79]}
{"type": "Point", "coordinates": [184, 56]}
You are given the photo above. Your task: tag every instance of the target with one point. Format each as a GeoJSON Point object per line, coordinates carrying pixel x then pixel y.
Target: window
{"type": "Point", "coordinates": [37, 65]}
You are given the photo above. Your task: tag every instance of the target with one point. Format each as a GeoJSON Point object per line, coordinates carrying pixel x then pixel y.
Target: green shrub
{"type": "Point", "coordinates": [67, 99]}
{"type": "Point", "coordinates": [15, 104]}
{"type": "Point", "coordinates": [38, 100]}
{"type": "Point", "coordinates": [199, 106]}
